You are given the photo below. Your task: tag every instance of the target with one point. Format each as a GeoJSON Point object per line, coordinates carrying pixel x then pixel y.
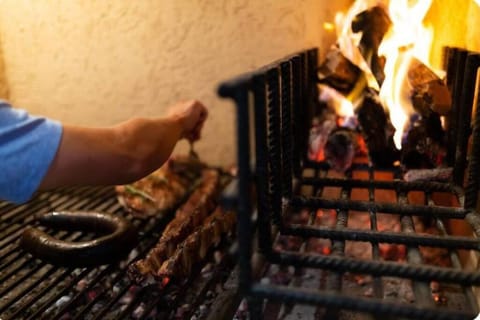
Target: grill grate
{"type": "Point", "coordinates": [32, 289]}
{"type": "Point", "coordinates": [275, 103]}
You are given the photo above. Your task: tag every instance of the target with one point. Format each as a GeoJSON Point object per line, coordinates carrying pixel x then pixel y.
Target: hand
{"type": "Point", "coordinates": [191, 115]}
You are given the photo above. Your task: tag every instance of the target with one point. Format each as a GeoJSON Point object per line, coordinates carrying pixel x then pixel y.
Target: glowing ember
{"type": "Point", "coordinates": [165, 281]}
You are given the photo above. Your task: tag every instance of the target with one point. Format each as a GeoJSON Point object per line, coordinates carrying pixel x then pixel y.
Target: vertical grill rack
{"type": "Point", "coordinates": [274, 106]}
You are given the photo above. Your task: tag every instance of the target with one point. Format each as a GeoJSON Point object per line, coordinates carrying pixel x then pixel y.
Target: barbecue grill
{"type": "Point", "coordinates": [32, 289]}
{"type": "Point", "coordinates": [274, 106]}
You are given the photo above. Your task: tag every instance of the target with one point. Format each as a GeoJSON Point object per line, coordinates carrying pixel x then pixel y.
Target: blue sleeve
{"type": "Point", "coordinates": [28, 145]}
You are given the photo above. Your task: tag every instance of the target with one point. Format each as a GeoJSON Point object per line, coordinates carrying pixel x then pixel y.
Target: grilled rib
{"type": "Point", "coordinates": [187, 218]}
{"type": "Point", "coordinates": [162, 189]}
{"type": "Point", "coordinates": [195, 247]}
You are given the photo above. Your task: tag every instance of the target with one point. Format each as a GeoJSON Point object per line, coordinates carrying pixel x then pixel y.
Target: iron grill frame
{"type": "Point", "coordinates": [273, 106]}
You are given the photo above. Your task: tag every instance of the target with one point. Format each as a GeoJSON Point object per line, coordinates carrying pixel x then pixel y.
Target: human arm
{"type": "Point", "coordinates": [122, 153]}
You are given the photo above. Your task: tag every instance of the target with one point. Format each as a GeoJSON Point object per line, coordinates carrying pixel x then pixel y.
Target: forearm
{"type": "Point", "coordinates": [116, 155]}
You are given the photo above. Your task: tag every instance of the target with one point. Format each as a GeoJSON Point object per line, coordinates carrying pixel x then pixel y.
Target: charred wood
{"type": "Point", "coordinates": [436, 174]}
{"type": "Point", "coordinates": [423, 142]}
{"type": "Point", "coordinates": [338, 72]}
{"type": "Point", "coordinates": [429, 92]}
{"type": "Point", "coordinates": [340, 149]}
{"type": "Point", "coordinates": [377, 130]}
{"type": "Point", "coordinates": [373, 23]}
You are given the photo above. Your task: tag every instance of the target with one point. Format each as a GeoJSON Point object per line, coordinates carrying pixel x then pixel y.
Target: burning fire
{"type": "Point", "coordinates": [407, 38]}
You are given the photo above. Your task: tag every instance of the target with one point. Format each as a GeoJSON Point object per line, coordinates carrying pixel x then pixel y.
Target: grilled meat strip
{"type": "Point", "coordinates": [196, 246]}
{"type": "Point", "coordinates": [187, 218]}
{"type": "Point", "coordinates": [162, 189]}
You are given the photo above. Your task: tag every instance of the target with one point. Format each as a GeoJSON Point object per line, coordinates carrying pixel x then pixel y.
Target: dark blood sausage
{"type": "Point", "coordinates": [118, 237]}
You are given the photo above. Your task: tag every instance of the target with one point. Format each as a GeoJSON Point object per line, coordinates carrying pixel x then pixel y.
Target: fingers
{"type": "Point", "coordinates": [192, 115]}
{"type": "Point", "coordinates": [195, 133]}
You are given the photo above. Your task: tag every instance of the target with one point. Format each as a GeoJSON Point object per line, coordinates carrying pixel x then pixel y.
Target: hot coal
{"type": "Point", "coordinates": [340, 149]}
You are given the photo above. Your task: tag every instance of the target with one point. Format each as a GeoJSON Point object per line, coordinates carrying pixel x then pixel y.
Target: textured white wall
{"type": "Point", "coordinates": [98, 62]}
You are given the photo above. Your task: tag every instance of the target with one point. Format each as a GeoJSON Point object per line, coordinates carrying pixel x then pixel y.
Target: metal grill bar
{"type": "Point", "coordinates": [274, 143]}
{"type": "Point", "coordinates": [383, 268]}
{"type": "Point", "coordinates": [377, 281]}
{"type": "Point", "coordinates": [451, 242]}
{"type": "Point", "coordinates": [456, 65]}
{"type": "Point", "coordinates": [421, 289]}
{"type": "Point", "coordinates": [244, 208]}
{"type": "Point", "coordinates": [472, 301]}
{"type": "Point", "coordinates": [262, 168]}
{"type": "Point", "coordinates": [407, 209]}
{"type": "Point", "coordinates": [472, 64]}
{"type": "Point", "coordinates": [334, 279]}
{"type": "Point", "coordinates": [399, 185]}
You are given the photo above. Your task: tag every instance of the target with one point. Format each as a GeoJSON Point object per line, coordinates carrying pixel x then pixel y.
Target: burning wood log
{"type": "Point", "coordinates": [340, 149]}
{"type": "Point", "coordinates": [377, 130]}
{"type": "Point", "coordinates": [373, 23]}
{"type": "Point", "coordinates": [437, 174]}
{"type": "Point", "coordinates": [423, 142]}
{"type": "Point", "coordinates": [338, 72]}
{"type": "Point", "coordinates": [429, 93]}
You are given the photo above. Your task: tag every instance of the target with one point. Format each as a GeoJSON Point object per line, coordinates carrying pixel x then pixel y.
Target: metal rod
{"type": "Point", "coordinates": [471, 192]}
{"type": "Point", "coordinates": [379, 268]}
{"type": "Point", "coordinates": [397, 184]}
{"type": "Point", "coordinates": [334, 278]}
{"type": "Point", "coordinates": [469, 295]}
{"type": "Point", "coordinates": [239, 94]}
{"type": "Point", "coordinates": [286, 127]}
{"type": "Point", "coordinates": [296, 114]}
{"type": "Point", "coordinates": [421, 289]}
{"type": "Point", "coordinates": [262, 171]}
{"type": "Point", "coordinates": [442, 212]}
{"type": "Point", "coordinates": [451, 242]}
{"type": "Point", "coordinates": [377, 281]}
{"type": "Point", "coordinates": [464, 118]}
{"type": "Point", "coordinates": [456, 61]}
{"type": "Point", "coordinates": [274, 143]}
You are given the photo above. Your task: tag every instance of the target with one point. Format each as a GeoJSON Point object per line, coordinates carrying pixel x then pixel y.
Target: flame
{"type": "Point", "coordinates": [408, 37]}
{"type": "Point", "coordinates": [348, 41]}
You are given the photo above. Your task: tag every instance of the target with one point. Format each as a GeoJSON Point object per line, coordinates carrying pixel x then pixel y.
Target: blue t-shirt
{"type": "Point", "coordinates": [28, 145]}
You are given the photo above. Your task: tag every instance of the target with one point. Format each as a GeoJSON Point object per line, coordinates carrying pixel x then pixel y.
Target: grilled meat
{"type": "Point", "coordinates": [187, 218]}
{"type": "Point", "coordinates": [120, 237]}
{"type": "Point", "coordinates": [162, 189]}
{"type": "Point", "coordinates": [195, 247]}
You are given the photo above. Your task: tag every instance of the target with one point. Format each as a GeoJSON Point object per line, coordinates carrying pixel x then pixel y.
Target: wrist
{"type": "Point", "coordinates": [177, 124]}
